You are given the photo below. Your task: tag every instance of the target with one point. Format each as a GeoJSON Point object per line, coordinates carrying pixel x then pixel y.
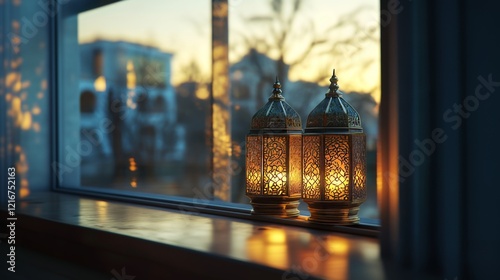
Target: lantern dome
{"type": "Point", "coordinates": [276, 114]}
{"type": "Point", "coordinates": [334, 112]}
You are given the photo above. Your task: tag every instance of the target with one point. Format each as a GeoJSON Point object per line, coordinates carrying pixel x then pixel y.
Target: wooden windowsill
{"type": "Point", "coordinates": [157, 243]}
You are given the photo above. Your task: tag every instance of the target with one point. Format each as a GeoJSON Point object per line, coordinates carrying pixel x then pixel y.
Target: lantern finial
{"type": "Point", "coordinates": [334, 87]}
{"type": "Point", "coordinates": [277, 91]}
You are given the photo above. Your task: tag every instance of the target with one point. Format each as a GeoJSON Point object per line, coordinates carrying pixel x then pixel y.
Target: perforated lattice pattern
{"type": "Point", "coordinates": [337, 167]}
{"type": "Point", "coordinates": [359, 164]}
{"type": "Point", "coordinates": [253, 164]}
{"type": "Point", "coordinates": [311, 179]}
{"type": "Point", "coordinates": [295, 164]}
{"type": "Point", "coordinates": [275, 165]}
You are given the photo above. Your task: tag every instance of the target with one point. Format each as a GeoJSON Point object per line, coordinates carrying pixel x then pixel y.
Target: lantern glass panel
{"type": "Point", "coordinates": [311, 180]}
{"type": "Point", "coordinates": [337, 167]}
{"type": "Point", "coordinates": [275, 165]}
{"type": "Point", "coordinates": [295, 173]}
{"type": "Point", "coordinates": [254, 164]}
{"type": "Point", "coordinates": [359, 165]}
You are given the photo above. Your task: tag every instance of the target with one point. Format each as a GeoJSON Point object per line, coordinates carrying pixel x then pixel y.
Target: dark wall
{"type": "Point", "coordinates": [448, 58]}
{"type": "Point", "coordinates": [482, 134]}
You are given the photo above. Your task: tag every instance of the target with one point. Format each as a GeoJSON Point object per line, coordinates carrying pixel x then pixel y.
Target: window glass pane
{"type": "Point", "coordinates": [300, 42]}
{"type": "Point", "coordinates": [134, 82]}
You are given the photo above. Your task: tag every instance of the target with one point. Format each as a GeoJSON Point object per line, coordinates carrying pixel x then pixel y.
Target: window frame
{"type": "Point", "coordinates": [196, 205]}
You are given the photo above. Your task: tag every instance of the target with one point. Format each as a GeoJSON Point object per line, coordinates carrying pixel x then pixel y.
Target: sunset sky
{"type": "Point", "coordinates": [184, 28]}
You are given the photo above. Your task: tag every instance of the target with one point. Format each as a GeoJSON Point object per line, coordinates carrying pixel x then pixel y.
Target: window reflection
{"type": "Point", "coordinates": [269, 246]}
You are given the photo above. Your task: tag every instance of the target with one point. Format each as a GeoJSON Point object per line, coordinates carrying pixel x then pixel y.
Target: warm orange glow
{"type": "Point", "coordinates": [253, 165]}
{"type": "Point", "coordinates": [17, 86]}
{"type": "Point", "coordinates": [253, 177]}
{"type": "Point", "coordinates": [202, 93]}
{"type": "Point", "coordinates": [11, 78]}
{"type": "Point", "coordinates": [131, 77]}
{"type": "Point", "coordinates": [311, 167]}
{"type": "Point", "coordinates": [338, 245]}
{"type": "Point", "coordinates": [275, 165]}
{"type": "Point", "coordinates": [132, 164]}
{"type": "Point", "coordinates": [338, 262]}
{"type": "Point", "coordinates": [36, 110]}
{"type": "Point", "coordinates": [22, 169]}
{"type": "Point", "coordinates": [278, 176]}
{"type": "Point", "coordinates": [295, 165]}
{"type": "Point", "coordinates": [15, 110]}
{"type": "Point", "coordinates": [100, 84]}
{"type": "Point", "coordinates": [337, 167]}
{"type": "Point", "coordinates": [277, 179]}
{"type": "Point", "coordinates": [130, 66]}
{"type": "Point", "coordinates": [102, 203]}
{"type": "Point", "coordinates": [221, 119]}
{"type": "Point", "coordinates": [311, 181]}
{"type": "Point", "coordinates": [24, 191]}
{"type": "Point", "coordinates": [338, 174]}
{"type": "Point", "coordinates": [221, 151]}
{"type": "Point", "coordinates": [133, 167]}
{"type": "Point", "coordinates": [337, 180]}
{"type": "Point", "coordinates": [269, 247]}
{"type": "Point", "coordinates": [276, 236]}
{"type": "Point", "coordinates": [26, 121]}
{"type": "Point", "coordinates": [102, 210]}
{"type": "Point", "coordinates": [22, 165]}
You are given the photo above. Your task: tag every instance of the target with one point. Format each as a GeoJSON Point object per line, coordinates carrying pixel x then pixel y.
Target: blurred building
{"type": "Point", "coordinates": [128, 109]}
{"type": "Point", "coordinates": [252, 78]}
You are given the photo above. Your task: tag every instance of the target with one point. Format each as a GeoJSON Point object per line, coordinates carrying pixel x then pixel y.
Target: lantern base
{"type": "Point", "coordinates": [334, 214]}
{"type": "Point", "coordinates": [276, 207]}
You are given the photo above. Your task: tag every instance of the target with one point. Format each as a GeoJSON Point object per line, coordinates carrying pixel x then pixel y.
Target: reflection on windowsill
{"type": "Point", "coordinates": [295, 251]}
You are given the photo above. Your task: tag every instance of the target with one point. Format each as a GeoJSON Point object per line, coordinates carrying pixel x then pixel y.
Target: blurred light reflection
{"type": "Point", "coordinates": [269, 246]}
{"type": "Point", "coordinates": [100, 84]}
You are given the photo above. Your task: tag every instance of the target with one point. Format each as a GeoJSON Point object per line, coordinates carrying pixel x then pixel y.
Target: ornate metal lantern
{"type": "Point", "coordinates": [334, 158]}
{"type": "Point", "coordinates": [274, 158]}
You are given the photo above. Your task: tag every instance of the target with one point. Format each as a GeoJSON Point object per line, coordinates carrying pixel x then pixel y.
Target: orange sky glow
{"type": "Point", "coordinates": [183, 28]}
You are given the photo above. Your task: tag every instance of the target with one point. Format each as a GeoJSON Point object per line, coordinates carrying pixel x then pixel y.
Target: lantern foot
{"type": "Point", "coordinates": [334, 216]}
{"type": "Point", "coordinates": [277, 208]}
